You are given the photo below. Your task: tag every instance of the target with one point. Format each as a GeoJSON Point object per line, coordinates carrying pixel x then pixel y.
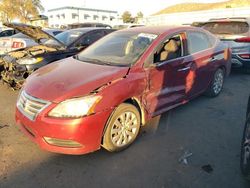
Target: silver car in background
{"type": "Point", "coordinates": [20, 40]}
{"type": "Point", "coordinates": [233, 32]}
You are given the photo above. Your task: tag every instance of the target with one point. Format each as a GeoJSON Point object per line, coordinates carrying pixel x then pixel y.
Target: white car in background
{"type": "Point", "coordinates": [19, 40]}
{"type": "Point", "coordinates": [7, 32]}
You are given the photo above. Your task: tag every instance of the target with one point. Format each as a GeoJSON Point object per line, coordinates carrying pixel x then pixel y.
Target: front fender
{"type": "Point", "coordinates": [130, 87]}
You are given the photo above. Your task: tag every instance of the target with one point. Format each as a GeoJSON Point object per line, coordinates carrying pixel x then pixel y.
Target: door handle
{"type": "Point", "coordinates": [212, 59]}
{"type": "Point", "coordinates": [184, 69]}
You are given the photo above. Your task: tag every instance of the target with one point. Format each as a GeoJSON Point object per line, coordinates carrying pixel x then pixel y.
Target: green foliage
{"type": "Point", "coordinates": [20, 9]}
{"type": "Point", "coordinates": [127, 17]}
{"type": "Point", "coordinates": [140, 15]}
{"type": "Point", "coordinates": [8, 10]}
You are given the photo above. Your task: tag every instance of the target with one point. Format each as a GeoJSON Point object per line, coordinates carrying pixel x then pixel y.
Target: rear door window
{"type": "Point", "coordinates": [230, 28]}
{"type": "Point", "coordinates": [197, 41]}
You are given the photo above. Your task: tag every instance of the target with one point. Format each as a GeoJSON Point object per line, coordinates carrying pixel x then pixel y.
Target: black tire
{"type": "Point", "coordinates": [214, 90]}
{"type": "Point", "coordinates": [115, 128]}
{"type": "Point", "coordinates": [245, 151]}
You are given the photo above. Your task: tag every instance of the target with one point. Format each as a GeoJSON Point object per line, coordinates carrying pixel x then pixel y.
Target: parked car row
{"type": "Point", "coordinates": [20, 40]}
{"type": "Point", "coordinates": [96, 24]}
{"type": "Point", "coordinates": [19, 64]}
{"type": "Point", "coordinates": [234, 32]}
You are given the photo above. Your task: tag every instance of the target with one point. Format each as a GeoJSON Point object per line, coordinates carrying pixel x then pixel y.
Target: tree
{"type": "Point", "coordinates": [8, 11]}
{"type": "Point", "coordinates": [127, 17]}
{"type": "Point", "coordinates": [28, 9]}
{"type": "Point", "coordinates": [38, 5]}
{"type": "Point", "coordinates": [20, 9]}
{"type": "Point", "coordinates": [138, 17]}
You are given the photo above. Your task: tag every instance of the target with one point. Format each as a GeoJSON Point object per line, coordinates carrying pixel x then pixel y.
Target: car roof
{"type": "Point", "coordinates": [158, 30]}
{"type": "Point", "coordinates": [50, 29]}
{"type": "Point", "coordinates": [85, 23]}
{"type": "Point", "coordinates": [86, 29]}
{"type": "Point", "coordinates": [235, 19]}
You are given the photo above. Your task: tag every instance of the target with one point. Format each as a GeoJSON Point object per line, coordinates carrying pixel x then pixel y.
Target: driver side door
{"type": "Point", "coordinates": [167, 79]}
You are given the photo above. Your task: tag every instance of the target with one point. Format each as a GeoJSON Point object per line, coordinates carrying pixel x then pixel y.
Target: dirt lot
{"type": "Point", "coordinates": [210, 129]}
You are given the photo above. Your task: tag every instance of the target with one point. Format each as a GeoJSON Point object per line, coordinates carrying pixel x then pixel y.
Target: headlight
{"type": "Point", "coordinates": [75, 108]}
{"type": "Point", "coordinates": [29, 61]}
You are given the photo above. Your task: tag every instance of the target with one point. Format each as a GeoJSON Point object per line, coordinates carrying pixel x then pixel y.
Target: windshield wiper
{"type": "Point", "coordinates": [96, 61]}
{"type": "Point", "coordinates": [100, 62]}
{"type": "Point", "coordinates": [224, 33]}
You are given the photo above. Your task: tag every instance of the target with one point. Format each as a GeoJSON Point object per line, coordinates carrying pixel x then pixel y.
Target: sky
{"type": "Point", "coordinates": [134, 6]}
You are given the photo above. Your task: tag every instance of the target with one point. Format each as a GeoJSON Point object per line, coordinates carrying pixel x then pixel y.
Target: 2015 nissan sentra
{"type": "Point", "coordinates": [102, 96]}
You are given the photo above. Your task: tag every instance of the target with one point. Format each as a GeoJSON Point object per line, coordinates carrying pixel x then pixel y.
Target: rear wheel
{"type": "Point", "coordinates": [217, 83]}
{"type": "Point", "coordinates": [122, 128]}
{"type": "Point", "coordinates": [245, 150]}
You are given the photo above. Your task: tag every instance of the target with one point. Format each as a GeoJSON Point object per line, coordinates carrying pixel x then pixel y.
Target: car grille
{"type": "Point", "coordinates": [30, 106]}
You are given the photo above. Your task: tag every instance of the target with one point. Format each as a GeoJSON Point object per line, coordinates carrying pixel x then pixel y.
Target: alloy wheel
{"type": "Point", "coordinates": [218, 81]}
{"type": "Point", "coordinates": [124, 129]}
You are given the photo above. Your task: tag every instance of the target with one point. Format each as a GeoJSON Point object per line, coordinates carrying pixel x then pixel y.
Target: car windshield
{"type": "Point", "coordinates": [66, 37]}
{"type": "Point", "coordinates": [230, 28]}
{"type": "Point", "coordinates": [119, 49]}
{"type": "Point", "coordinates": [120, 26]}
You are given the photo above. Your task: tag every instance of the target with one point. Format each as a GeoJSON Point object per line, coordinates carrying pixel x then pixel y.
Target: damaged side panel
{"type": "Point", "coordinates": [134, 87]}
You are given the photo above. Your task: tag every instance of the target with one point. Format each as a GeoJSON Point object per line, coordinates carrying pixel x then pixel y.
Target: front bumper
{"type": "Point", "coordinates": [87, 132]}
{"type": "Point", "coordinates": [14, 75]}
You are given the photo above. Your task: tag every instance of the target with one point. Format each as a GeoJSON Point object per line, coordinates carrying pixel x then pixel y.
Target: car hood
{"type": "Point", "coordinates": [35, 33]}
{"type": "Point", "coordinates": [70, 78]}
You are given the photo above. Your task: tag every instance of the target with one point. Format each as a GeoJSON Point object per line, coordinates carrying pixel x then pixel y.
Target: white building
{"type": "Point", "coordinates": [196, 16]}
{"type": "Point", "coordinates": [68, 15]}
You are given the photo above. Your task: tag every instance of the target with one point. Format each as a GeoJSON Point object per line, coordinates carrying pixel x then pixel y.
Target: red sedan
{"type": "Point", "coordinates": [102, 96]}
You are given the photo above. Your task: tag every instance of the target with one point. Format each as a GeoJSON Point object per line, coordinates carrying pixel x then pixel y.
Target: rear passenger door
{"type": "Point", "coordinates": [201, 55]}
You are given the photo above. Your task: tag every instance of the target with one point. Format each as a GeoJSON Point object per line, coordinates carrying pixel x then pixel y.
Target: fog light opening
{"type": "Point", "coordinates": [62, 143]}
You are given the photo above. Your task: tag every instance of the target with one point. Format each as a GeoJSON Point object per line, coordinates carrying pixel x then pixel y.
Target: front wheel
{"type": "Point", "coordinates": [216, 85]}
{"type": "Point", "coordinates": [122, 128]}
{"type": "Point", "coordinates": [245, 150]}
